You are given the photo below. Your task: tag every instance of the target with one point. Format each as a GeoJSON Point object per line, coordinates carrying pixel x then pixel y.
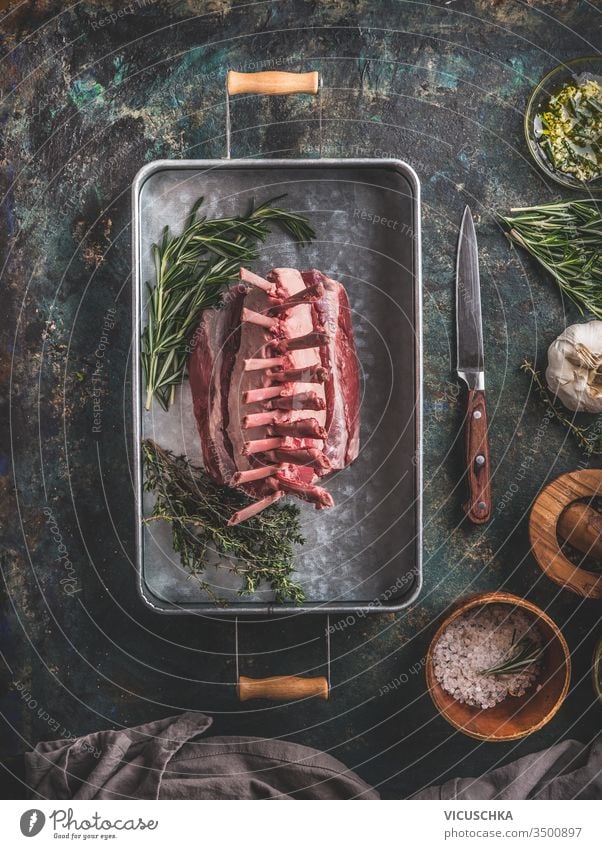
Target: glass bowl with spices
{"type": "Point", "coordinates": [563, 124]}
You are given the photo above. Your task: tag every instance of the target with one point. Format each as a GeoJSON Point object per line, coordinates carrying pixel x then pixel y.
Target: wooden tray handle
{"type": "Point", "coordinates": [282, 688]}
{"type": "Point", "coordinates": [272, 82]}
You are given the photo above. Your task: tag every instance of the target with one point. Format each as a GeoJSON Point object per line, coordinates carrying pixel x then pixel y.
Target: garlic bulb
{"type": "Point", "coordinates": [574, 370]}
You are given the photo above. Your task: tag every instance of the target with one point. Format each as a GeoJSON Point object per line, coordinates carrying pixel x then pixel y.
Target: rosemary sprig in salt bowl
{"type": "Point", "coordinates": [522, 653]}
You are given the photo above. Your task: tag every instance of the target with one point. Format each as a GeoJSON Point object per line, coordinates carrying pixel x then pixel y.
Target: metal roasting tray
{"type": "Point", "coordinates": [363, 555]}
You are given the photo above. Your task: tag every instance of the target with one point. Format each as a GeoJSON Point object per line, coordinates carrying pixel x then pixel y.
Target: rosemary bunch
{"type": "Point", "coordinates": [589, 437]}
{"type": "Point", "coordinates": [191, 272]}
{"type": "Point", "coordinates": [522, 653]}
{"type": "Point", "coordinates": [566, 238]}
{"type": "Point", "coordinates": [197, 509]}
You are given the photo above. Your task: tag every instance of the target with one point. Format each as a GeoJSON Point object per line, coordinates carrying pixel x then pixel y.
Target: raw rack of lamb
{"type": "Point", "coordinates": [275, 387]}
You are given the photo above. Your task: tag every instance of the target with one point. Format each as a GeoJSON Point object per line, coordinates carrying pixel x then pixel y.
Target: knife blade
{"type": "Point", "coordinates": [471, 369]}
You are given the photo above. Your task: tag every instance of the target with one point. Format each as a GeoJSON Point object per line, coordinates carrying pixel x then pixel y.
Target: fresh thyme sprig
{"type": "Point", "coordinates": [191, 272]}
{"type": "Point", "coordinates": [566, 238]}
{"type": "Point", "coordinates": [522, 653]}
{"type": "Point", "coordinates": [259, 550]}
{"type": "Point", "coordinates": [589, 438]}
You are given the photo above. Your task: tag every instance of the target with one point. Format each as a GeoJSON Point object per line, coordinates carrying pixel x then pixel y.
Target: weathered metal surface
{"type": "Point", "coordinates": [89, 98]}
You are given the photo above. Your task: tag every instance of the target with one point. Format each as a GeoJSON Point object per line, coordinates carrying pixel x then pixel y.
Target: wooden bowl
{"type": "Point", "coordinates": [549, 504]}
{"type": "Point", "coordinates": [515, 717]}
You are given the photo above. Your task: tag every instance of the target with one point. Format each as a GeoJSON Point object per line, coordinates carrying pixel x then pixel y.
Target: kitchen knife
{"type": "Point", "coordinates": [471, 369]}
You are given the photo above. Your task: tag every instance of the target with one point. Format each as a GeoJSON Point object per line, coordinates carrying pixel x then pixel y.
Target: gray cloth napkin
{"type": "Point", "coordinates": [162, 760]}
{"type": "Point", "coordinates": [567, 770]}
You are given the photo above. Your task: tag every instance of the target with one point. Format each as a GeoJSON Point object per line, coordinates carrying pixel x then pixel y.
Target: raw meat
{"type": "Point", "coordinates": [275, 386]}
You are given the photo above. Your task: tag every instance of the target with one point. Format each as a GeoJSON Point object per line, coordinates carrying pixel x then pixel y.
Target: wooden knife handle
{"type": "Point", "coordinates": [282, 688]}
{"type": "Point", "coordinates": [272, 82]}
{"type": "Point", "coordinates": [478, 506]}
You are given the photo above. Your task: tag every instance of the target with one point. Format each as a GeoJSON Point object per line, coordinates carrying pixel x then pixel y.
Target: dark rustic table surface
{"type": "Point", "coordinates": [90, 92]}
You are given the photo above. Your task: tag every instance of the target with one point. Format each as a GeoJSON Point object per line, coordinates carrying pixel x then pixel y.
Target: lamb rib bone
{"type": "Point", "coordinates": [287, 443]}
{"type": "Point", "coordinates": [253, 474]}
{"type": "Point", "coordinates": [255, 280]}
{"type": "Point", "coordinates": [255, 508]}
{"type": "Point", "coordinates": [257, 446]}
{"type": "Point", "coordinates": [308, 492]}
{"type": "Point", "coordinates": [300, 428]}
{"type": "Point", "coordinates": [253, 317]}
{"type": "Point", "coordinates": [262, 419]}
{"type": "Point", "coordinates": [258, 363]}
{"type": "Point", "coordinates": [303, 401]}
{"type": "Point", "coordinates": [305, 296]}
{"type": "Point", "coordinates": [299, 457]}
{"type": "Point", "coordinates": [315, 339]}
{"type": "Point", "coordinates": [315, 373]}
{"type": "Point", "coordinates": [251, 396]}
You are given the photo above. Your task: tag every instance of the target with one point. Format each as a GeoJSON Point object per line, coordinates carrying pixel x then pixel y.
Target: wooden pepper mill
{"type": "Point", "coordinates": [581, 526]}
{"type": "Point", "coordinates": [560, 511]}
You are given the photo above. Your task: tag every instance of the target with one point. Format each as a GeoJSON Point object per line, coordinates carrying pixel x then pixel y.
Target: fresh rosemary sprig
{"type": "Point", "coordinates": [589, 438]}
{"type": "Point", "coordinates": [191, 272]}
{"type": "Point", "coordinates": [522, 653]}
{"type": "Point", "coordinates": [259, 550]}
{"type": "Point", "coordinates": [566, 238]}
